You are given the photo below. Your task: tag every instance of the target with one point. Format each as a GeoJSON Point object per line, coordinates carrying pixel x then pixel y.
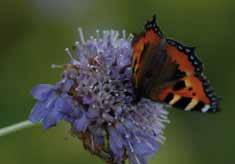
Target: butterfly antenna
{"type": "Point", "coordinates": [152, 24]}
{"type": "Point", "coordinates": [154, 18]}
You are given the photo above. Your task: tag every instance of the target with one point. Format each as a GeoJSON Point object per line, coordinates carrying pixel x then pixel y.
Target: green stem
{"type": "Point", "coordinates": [15, 127]}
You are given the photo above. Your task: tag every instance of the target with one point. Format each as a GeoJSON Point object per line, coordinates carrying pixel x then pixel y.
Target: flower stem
{"type": "Point", "coordinates": [15, 127]}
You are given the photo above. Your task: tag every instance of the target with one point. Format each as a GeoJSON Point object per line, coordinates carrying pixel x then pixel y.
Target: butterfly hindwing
{"type": "Point", "coordinates": [165, 70]}
{"type": "Point", "coordinates": [189, 93]}
{"type": "Point", "coordinates": [194, 89]}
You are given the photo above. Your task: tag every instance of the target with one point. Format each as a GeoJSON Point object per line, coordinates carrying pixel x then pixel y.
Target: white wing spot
{"type": "Point", "coordinates": [180, 47]}
{"type": "Point", "coordinates": [191, 57]}
{"type": "Point", "coordinates": [187, 50]}
{"type": "Point", "coordinates": [205, 108]}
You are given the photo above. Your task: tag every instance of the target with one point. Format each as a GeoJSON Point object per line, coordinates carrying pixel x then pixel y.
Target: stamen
{"type": "Point", "coordinates": [124, 34]}
{"type": "Point", "coordinates": [92, 37]}
{"type": "Point", "coordinates": [115, 35]}
{"type": "Point", "coordinates": [161, 139]}
{"type": "Point", "coordinates": [73, 60]}
{"type": "Point", "coordinates": [56, 66]}
{"type": "Point", "coordinates": [81, 35]}
{"type": "Point", "coordinates": [69, 53]}
{"type": "Point", "coordinates": [137, 160]}
{"type": "Point", "coordinates": [97, 34]}
{"type": "Point", "coordinates": [97, 60]}
{"type": "Point", "coordinates": [76, 43]}
{"type": "Point", "coordinates": [130, 37]}
{"type": "Point", "coordinates": [130, 146]}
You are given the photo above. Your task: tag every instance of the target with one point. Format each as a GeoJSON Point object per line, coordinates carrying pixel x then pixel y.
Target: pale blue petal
{"type": "Point", "coordinates": [38, 112]}
{"type": "Point", "coordinates": [41, 91]}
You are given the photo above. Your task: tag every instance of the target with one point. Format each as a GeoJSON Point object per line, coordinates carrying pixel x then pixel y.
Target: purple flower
{"type": "Point", "coordinates": [96, 97]}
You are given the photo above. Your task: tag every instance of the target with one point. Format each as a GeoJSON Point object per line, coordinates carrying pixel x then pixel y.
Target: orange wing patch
{"type": "Point", "coordinates": [193, 88]}
{"type": "Point", "coordinates": [185, 57]}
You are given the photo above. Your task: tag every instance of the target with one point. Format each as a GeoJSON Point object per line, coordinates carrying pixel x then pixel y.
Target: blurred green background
{"type": "Point", "coordinates": [33, 35]}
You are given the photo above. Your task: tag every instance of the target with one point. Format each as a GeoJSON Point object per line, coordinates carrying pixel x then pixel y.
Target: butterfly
{"type": "Point", "coordinates": [167, 71]}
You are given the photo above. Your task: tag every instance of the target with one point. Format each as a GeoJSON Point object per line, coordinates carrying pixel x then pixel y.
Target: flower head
{"type": "Point", "coordinates": [96, 96]}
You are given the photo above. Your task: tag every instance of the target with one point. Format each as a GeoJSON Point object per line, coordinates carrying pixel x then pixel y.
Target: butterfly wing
{"type": "Point", "coordinates": [192, 92]}
{"type": "Point", "coordinates": [152, 36]}
{"type": "Point", "coordinates": [165, 70]}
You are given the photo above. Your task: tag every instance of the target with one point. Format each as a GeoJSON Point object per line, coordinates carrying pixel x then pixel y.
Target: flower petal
{"type": "Point", "coordinates": [142, 149]}
{"type": "Point", "coordinates": [38, 112]}
{"type": "Point", "coordinates": [67, 85]}
{"type": "Point", "coordinates": [64, 104]}
{"type": "Point", "coordinates": [135, 159]}
{"type": "Point", "coordinates": [41, 91]}
{"type": "Point", "coordinates": [86, 100]}
{"type": "Point", "coordinates": [116, 142]}
{"type": "Point", "coordinates": [82, 123]}
{"type": "Point", "coordinates": [52, 118]}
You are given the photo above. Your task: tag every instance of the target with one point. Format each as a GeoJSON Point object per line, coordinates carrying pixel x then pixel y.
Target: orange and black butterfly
{"type": "Point", "coordinates": [167, 71]}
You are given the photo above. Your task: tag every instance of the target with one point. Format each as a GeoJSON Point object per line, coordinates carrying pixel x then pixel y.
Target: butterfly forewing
{"type": "Point", "coordinates": [151, 36]}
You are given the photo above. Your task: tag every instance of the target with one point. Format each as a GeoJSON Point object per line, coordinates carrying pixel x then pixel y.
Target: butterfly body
{"type": "Point", "coordinates": [165, 70]}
